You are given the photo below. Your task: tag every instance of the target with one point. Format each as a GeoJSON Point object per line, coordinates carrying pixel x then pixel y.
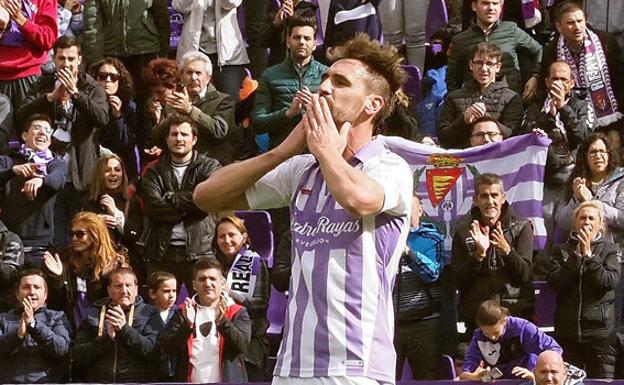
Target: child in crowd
{"type": "Point", "coordinates": [162, 289]}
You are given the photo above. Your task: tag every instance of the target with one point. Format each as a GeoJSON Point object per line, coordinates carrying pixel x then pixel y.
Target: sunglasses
{"type": "Point", "coordinates": [78, 234]}
{"type": "Point", "coordinates": [103, 76]}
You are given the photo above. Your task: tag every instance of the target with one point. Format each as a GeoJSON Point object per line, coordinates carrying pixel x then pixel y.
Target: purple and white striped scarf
{"type": "Point", "coordinates": [592, 73]}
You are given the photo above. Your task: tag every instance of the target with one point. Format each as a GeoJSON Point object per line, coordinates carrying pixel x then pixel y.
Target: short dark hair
{"type": "Point", "coordinates": [34, 118]}
{"type": "Point", "coordinates": [123, 270]}
{"type": "Point", "coordinates": [157, 278]}
{"type": "Point", "coordinates": [27, 273]}
{"type": "Point", "coordinates": [487, 179]}
{"type": "Point", "coordinates": [206, 264]}
{"type": "Point", "coordinates": [487, 50]}
{"type": "Point", "coordinates": [302, 18]}
{"type": "Point", "coordinates": [177, 120]}
{"type": "Point", "coordinates": [485, 118]}
{"type": "Point", "coordinates": [559, 62]}
{"type": "Point", "coordinates": [567, 7]}
{"type": "Point", "coordinates": [64, 42]}
{"type": "Point", "coordinates": [490, 313]}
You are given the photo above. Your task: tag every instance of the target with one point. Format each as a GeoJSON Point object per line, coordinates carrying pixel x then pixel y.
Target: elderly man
{"type": "Point", "coordinates": [350, 202]}
{"type": "Point", "coordinates": [114, 343]}
{"type": "Point", "coordinates": [32, 178]}
{"type": "Point", "coordinates": [492, 253]}
{"type": "Point", "coordinates": [212, 111]}
{"type": "Point", "coordinates": [596, 62]}
{"type": "Point", "coordinates": [34, 340]}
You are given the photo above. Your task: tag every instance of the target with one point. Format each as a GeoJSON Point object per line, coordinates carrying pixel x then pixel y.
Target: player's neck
{"type": "Point", "coordinates": [359, 136]}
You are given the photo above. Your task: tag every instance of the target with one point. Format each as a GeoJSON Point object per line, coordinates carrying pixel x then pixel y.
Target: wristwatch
{"type": "Point", "coordinates": [33, 323]}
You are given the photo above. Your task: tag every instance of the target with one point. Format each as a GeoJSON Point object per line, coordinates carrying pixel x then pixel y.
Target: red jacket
{"type": "Point", "coordinates": [39, 34]}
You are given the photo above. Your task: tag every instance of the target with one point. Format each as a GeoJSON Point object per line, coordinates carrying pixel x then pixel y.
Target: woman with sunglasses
{"type": "Point", "coordinates": [123, 134]}
{"type": "Point", "coordinates": [78, 276]}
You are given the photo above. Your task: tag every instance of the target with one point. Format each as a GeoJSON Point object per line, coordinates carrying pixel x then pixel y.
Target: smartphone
{"type": "Point", "coordinates": [180, 87]}
{"type": "Point", "coordinates": [492, 374]}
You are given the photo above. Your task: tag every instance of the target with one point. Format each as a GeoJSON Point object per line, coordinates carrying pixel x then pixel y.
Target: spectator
{"type": "Point", "coordinates": [110, 197]}
{"type": "Point", "coordinates": [596, 176]}
{"type": "Point", "coordinates": [124, 134]}
{"type": "Point", "coordinates": [211, 111]}
{"type": "Point", "coordinates": [584, 272]}
{"type": "Point", "coordinates": [12, 253]}
{"type": "Point", "coordinates": [32, 179]}
{"type": "Point", "coordinates": [116, 340]}
{"type": "Point", "coordinates": [404, 22]}
{"type": "Point", "coordinates": [248, 284]}
{"type": "Point", "coordinates": [566, 118]}
{"type": "Point", "coordinates": [518, 48]}
{"type": "Point", "coordinates": [80, 277]}
{"type": "Point", "coordinates": [162, 290]}
{"type": "Point", "coordinates": [481, 96]}
{"type": "Point", "coordinates": [162, 78]}
{"type": "Point", "coordinates": [417, 298]}
{"type": "Point", "coordinates": [348, 182]}
{"type": "Point", "coordinates": [255, 12]}
{"type": "Point", "coordinates": [78, 108]}
{"type": "Point", "coordinates": [347, 18]}
{"type": "Point", "coordinates": [507, 343]}
{"type": "Point", "coordinates": [583, 48]}
{"type": "Point", "coordinates": [211, 334]}
{"type": "Point", "coordinates": [212, 28]}
{"type": "Point", "coordinates": [179, 233]}
{"type": "Point", "coordinates": [69, 21]}
{"type": "Point", "coordinates": [551, 370]}
{"type": "Point", "coordinates": [34, 340]}
{"type": "Point", "coordinates": [613, 358]}
{"type": "Point", "coordinates": [134, 32]}
{"type": "Point", "coordinates": [491, 254]}
{"type": "Point", "coordinates": [286, 88]}
{"type": "Point", "coordinates": [25, 42]}
{"type": "Point", "coordinates": [485, 130]}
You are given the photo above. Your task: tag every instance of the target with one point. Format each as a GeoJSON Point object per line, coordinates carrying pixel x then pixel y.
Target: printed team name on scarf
{"type": "Point", "coordinates": [593, 73]}
{"type": "Point", "coordinates": [244, 272]}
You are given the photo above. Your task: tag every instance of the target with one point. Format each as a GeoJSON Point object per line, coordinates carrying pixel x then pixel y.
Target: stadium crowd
{"type": "Point", "coordinates": [130, 130]}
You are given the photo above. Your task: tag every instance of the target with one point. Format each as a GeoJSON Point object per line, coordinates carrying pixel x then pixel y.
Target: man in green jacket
{"type": "Point", "coordinates": [521, 53]}
{"type": "Point", "coordinates": [286, 88]}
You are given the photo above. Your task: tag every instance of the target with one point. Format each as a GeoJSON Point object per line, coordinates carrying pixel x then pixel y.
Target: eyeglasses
{"type": "Point", "coordinates": [38, 127]}
{"type": "Point", "coordinates": [78, 234]}
{"type": "Point", "coordinates": [489, 134]}
{"type": "Point", "coordinates": [103, 76]}
{"type": "Point", "coordinates": [481, 63]}
{"type": "Point", "coordinates": [597, 153]}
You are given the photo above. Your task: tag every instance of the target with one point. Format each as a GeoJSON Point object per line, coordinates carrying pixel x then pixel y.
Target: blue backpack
{"type": "Point", "coordinates": [429, 109]}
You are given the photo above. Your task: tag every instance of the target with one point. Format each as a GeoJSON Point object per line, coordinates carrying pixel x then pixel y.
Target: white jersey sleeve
{"type": "Point", "coordinates": [277, 187]}
{"type": "Point", "coordinates": [394, 176]}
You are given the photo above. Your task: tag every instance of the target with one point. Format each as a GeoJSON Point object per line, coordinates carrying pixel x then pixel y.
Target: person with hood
{"type": "Point", "coordinates": [509, 344]}
{"type": "Point", "coordinates": [483, 96]}
{"type": "Point", "coordinates": [584, 272]}
{"type": "Point", "coordinates": [492, 254]}
{"type": "Point", "coordinates": [211, 333]}
{"type": "Point", "coordinates": [114, 344]}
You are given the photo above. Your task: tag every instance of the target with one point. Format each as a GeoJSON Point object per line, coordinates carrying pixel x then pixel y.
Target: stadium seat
{"type": "Point", "coordinates": [447, 368]}
{"type": "Point", "coordinates": [545, 305]}
{"type": "Point", "coordinates": [413, 86]}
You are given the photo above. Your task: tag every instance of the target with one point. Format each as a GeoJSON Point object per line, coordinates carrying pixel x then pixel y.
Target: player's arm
{"type": "Point", "coordinates": [225, 189]}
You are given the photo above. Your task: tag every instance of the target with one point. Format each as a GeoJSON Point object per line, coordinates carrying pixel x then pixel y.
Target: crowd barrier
{"type": "Point", "coordinates": [448, 382]}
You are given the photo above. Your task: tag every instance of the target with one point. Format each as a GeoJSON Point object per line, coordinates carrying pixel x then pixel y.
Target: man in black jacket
{"type": "Point", "coordinates": [34, 340]}
{"type": "Point", "coordinates": [179, 233]}
{"type": "Point", "coordinates": [31, 180]}
{"type": "Point", "coordinates": [78, 108]}
{"type": "Point", "coordinates": [492, 253]}
{"type": "Point", "coordinates": [115, 342]}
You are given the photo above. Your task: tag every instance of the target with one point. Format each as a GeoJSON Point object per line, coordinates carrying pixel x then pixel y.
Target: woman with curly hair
{"type": "Point", "coordinates": [78, 277]}
{"type": "Point", "coordinates": [124, 133]}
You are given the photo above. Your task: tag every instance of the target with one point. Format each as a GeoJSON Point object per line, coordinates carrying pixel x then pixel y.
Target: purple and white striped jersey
{"type": "Point", "coordinates": [339, 320]}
